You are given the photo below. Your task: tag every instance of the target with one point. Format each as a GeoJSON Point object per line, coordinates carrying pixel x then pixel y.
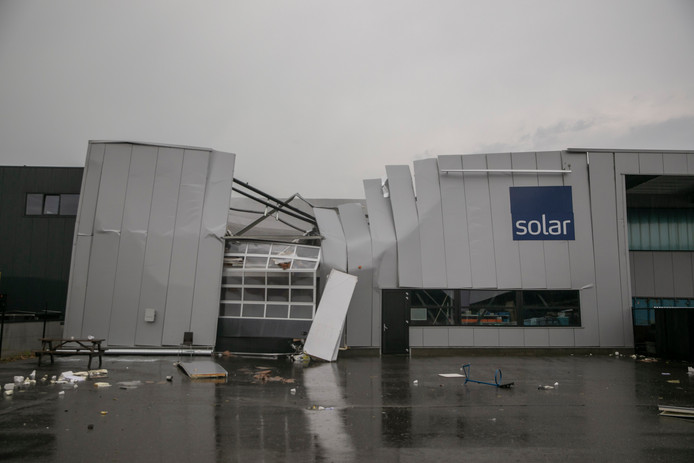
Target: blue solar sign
{"type": "Point", "coordinates": [542, 213]}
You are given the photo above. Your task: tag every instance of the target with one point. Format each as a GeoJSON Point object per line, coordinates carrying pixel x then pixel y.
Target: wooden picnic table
{"type": "Point", "coordinates": [71, 346]}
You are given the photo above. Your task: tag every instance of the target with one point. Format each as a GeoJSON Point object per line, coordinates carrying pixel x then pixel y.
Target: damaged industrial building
{"type": "Point", "coordinates": [580, 248]}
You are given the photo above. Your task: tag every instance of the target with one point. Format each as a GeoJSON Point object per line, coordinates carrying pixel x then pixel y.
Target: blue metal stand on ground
{"type": "Point", "coordinates": [497, 378]}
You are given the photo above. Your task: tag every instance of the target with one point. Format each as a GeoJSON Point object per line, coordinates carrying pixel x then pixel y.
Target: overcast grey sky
{"type": "Point", "coordinates": [314, 96]}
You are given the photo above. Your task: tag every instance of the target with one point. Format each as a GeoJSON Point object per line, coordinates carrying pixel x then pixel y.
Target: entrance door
{"type": "Point", "coordinates": [395, 334]}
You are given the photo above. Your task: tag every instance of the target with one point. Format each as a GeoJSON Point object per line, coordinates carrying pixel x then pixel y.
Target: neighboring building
{"type": "Point", "coordinates": [518, 250]}
{"type": "Point", "coordinates": [38, 206]}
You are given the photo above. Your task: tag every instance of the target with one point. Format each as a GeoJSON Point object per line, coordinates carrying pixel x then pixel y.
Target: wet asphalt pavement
{"type": "Point", "coordinates": [605, 408]}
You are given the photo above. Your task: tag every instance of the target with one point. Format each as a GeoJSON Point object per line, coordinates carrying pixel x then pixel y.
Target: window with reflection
{"type": "Point", "coordinates": [464, 307]}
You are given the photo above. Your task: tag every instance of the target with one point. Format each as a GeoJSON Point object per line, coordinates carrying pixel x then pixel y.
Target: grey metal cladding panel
{"type": "Point", "coordinates": [557, 263]}
{"type": "Point", "coordinates": [644, 276]}
{"type": "Point", "coordinates": [690, 163]}
{"type": "Point", "coordinates": [359, 263]}
{"type": "Point", "coordinates": [455, 228]}
{"type": "Point", "coordinates": [626, 163]}
{"type": "Point", "coordinates": [90, 189]}
{"type": "Point", "coordinates": [479, 222]}
{"type": "Point", "coordinates": [563, 337]}
{"type": "Point", "coordinates": [430, 217]}
{"type": "Point", "coordinates": [131, 253]}
{"type": "Point", "coordinates": [512, 337]}
{"type": "Point", "coordinates": [581, 249]}
{"type": "Point", "coordinates": [208, 276]}
{"type": "Point", "coordinates": [506, 253]}
{"type": "Point", "coordinates": [663, 272]}
{"type": "Point", "coordinates": [650, 163]}
{"type": "Point", "coordinates": [179, 296]}
{"type": "Point", "coordinates": [532, 253]}
{"type": "Point", "coordinates": [74, 312]}
{"type": "Point", "coordinates": [607, 270]}
{"type": "Point", "coordinates": [434, 337]}
{"type": "Point", "coordinates": [488, 336]}
{"type": "Point", "coordinates": [162, 221]}
{"type": "Point", "coordinates": [406, 226]}
{"type": "Point", "coordinates": [106, 241]}
{"type": "Point", "coordinates": [623, 250]}
{"type": "Point", "coordinates": [536, 337]}
{"type": "Point", "coordinates": [426, 174]}
{"type": "Point", "coordinates": [683, 279]}
{"type": "Point", "coordinates": [383, 240]}
{"type": "Point", "coordinates": [589, 335]}
{"type": "Point", "coordinates": [334, 244]}
{"type": "Point", "coordinates": [675, 163]}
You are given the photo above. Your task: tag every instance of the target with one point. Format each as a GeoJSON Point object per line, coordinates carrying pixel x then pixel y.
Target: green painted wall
{"type": "Point", "coordinates": [35, 251]}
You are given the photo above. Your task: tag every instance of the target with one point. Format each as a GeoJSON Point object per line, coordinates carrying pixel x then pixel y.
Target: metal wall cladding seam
{"type": "Point", "coordinates": [537, 337]}
{"type": "Point", "coordinates": [624, 163]}
{"type": "Point", "coordinates": [651, 163]}
{"type": "Point", "coordinates": [131, 252]}
{"type": "Point", "coordinates": [664, 275]}
{"type": "Point", "coordinates": [683, 269]}
{"type": "Point", "coordinates": [581, 249]}
{"type": "Point", "coordinates": [360, 264]}
{"type": "Point", "coordinates": [511, 337]}
{"type": "Point", "coordinates": [90, 189]}
{"type": "Point", "coordinates": [79, 263]}
{"type": "Point", "coordinates": [383, 241]}
{"type": "Point", "coordinates": [557, 263]}
{"type": "Point", "coordinates": [208, 277]}
{"type": "Point", "coordinates": [607, 271]}
{"type": "Point", "coordinates": [402, 201]}
{"type": "Point", "coordinates": [74, 312]}
{"type": "Point", "coordinates": [159, 246]}
{"type": "Point", "coordinates": [103, 259]}
{"type": "Point", "coordinates": [562, 338]}
{"type": "Point", "coordinates": [479, 221]}
{"type": "Point", "coordinates": [690, 163]}
{"type": "Point", "coordinates": [334, 244]}
{"type": "Point", "coordinates": [532, 253]}
{"type": "Point", "coordinates": [429, 212]}
{"type": "Point", "coordinates": [455, 226]}
{"type": "Point", "coordinates": [179, 295]}
{"type": "Point", "coordinates": [383, 250]}
{"type": "Point", "coordinates": [675, 163]}
{"type": "Point", "coordinates": [644, 274]}
{"type": "Point", "coordinates": [506, 252]}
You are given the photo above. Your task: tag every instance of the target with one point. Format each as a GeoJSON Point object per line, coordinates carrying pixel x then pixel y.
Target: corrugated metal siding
{"type": "Point", "coordinates": [35, 260]}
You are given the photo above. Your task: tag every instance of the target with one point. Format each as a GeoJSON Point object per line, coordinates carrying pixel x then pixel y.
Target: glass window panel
{"type": "Point", "coordinates": [551, 308]}
{"type": "Point", "coordinates": [231, 280]}
{"type": "Point", "coordinates": [34, 204]}
{"type": "Point", "coordinates": [231, 294]}
{"type": "Point", "coordinates": [255, 280]}
{"type": "Point", "coordinates": [256, 262]}
{"type": "Point", "coordinates": [231, 310]}
{"type": "Point", "coordinates": [274, 294]}
{"type": "Point", "coordinates": [496, 308]}
{"type": "Point", "coordinates": [278, 279]}
{"type": "Point", "coordinates": [418, 314]}
{"type": "Point", "coordinates": [300, 279]}
{"type": "Point", "coordinates": [304, 264]}
{"type": "Point", "coordinates": [51, 205]}
{"type": "Point", "coordinates": [253, 310]}
{"type": "Point", "coordinates": [283, 250]}
{"type": "Point", "coordinates": [282, 263]}
{"type": "Point", "coordinates": [68, 204]}
{"type": "Point", "coordinates": [259, 248]}
{"type": "Point", "coordinates": [302, 295]}
{"type": "Point", "coordinates": [308, 252]}
{"type": "Point", "coordinates": [301, 311]}
{"type": "Point", "coordinates": [277, 311]}
{"type": "Point", "coordinates": [237, 248]}
{"type": "Point", "coordinates": [254, 294]}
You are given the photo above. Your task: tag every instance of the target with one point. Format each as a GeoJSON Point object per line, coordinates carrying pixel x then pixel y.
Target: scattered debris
{"type": "Point", "coordinates": [263, 376]}
{"type": "Point", "coordinates": [129, 384]}
{"type": "Point", "coordinates": [319, 407]}
{"type": "Point", "coordinates": [673, 381]}
{"type": "Point", "coordinates": [665, 374]}
{"type": "Point", "coordinates": [677, 412]}
{"type": "Point", "coordinates": [102, 373]}
{"type": "Point", "coordinates": [203, 369]}
{"type": "Point", "coordinates": [100, 385]}
{"type": "Point", "coordinates": [169, 378]}
{"type": "Point", "coordinates": [451, 375]}
{"type": "Point", "coordinates": [292, 391]}
{"type": "Point", "coordinates": [690, 371]}
{"type": "Point", "coordinates": [545, 387]}
{"type": "Point", "coordinates": [415, 382]}
{"type": "Point", "coordinates": [104, 412]}
{"type": "Point", "coordinates": [497, 378]}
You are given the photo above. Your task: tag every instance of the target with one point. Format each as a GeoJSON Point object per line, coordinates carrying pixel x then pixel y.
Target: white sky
{"type": "Point", "coordinates": [314, 96]}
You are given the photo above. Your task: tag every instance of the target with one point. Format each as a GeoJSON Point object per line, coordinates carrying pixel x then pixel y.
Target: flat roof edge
{"type": "Point", "coordinates": [606, 150]}
{"type": "Point", "coordinates": [165, 145]}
